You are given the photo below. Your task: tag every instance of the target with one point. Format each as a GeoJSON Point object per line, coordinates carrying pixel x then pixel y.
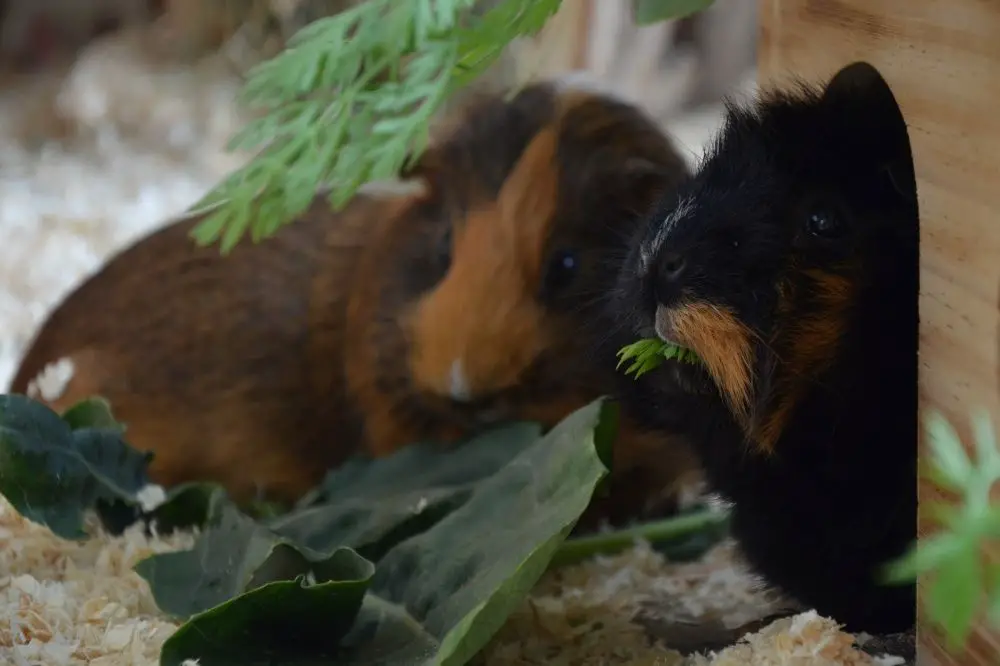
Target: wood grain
{"type": "Point", "coordinates": [942, 59]}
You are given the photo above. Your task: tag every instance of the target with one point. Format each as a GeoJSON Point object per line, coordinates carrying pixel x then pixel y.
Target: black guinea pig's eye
{"type": "Point", "coordinates": [824, 223]}
{"type": "Point", "coordinates": [561, 271]}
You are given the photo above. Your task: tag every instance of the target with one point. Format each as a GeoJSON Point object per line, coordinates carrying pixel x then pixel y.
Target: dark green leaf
{"type": "Point", "coordinates": [233, 555]}
{"type": "Point", "coordinates": [437, 597]}
{"type": "Point", "coordinates": [93, 412]}
{"type": "Point", "coordinates": [454, 585]}
{"type": "Point", "coordinates": [281, 622]}
{"type": "Point", "coordinates": [372, 505]}
{"type": "Point", "coordinates": [185, 506]}
{"type": "Point", "coordinates": [654, 11]}
{"type": "Point", "coordinates": [52, 473]}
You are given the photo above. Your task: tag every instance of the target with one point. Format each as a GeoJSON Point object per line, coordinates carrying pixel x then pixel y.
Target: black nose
{"type": "Point", "coordinates": [669, 271]}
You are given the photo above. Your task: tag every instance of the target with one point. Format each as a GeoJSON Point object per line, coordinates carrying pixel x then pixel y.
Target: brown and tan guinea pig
{"type": "Point", "coordinates": [426, 315]}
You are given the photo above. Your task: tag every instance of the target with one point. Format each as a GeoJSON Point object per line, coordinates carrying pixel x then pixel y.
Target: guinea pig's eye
{"type": "Point", "coordinates": [824, 223]}
{"type": "Point", "coordinates": [561, 270]}
{"type": "Point", "coordinates": [444, 247]}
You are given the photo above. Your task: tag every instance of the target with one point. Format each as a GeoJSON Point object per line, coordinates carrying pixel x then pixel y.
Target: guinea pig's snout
{"type": "Point", "coordinates": [459, 387]}
{"type": "Point", "coordinates": [470, 351]}
{"type": "Point", "coordinates": [665, 278]}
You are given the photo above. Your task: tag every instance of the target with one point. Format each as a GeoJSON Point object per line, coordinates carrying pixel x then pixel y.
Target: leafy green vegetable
{"type": "Point", "coordinates": [279, 622]}
{"type": "Point", "coordinates": [352, 97]}
{"type": "Point", "coordinates": [233, 555]}
{"type": "Point", "coordinates": [91, 413]}
{"type": "Point", "coordinates": [654, 11]}
{"type": "Point", "coordinates": [956, 592]}
{"type": "Point", "coordinates": [463, 577]}
{"type": "Point", "coordinates": [648, 354]}
{"type": "Point", "coordinates": [186, 506]}
{"type": "Point", "coordinates": [351, 100]}
{"type": "Point", "coordinates": [52, 469]}
{"type": "Point", "coordinates": [438, 593]}
{"type": "Point", "coordinates": [372, 505]}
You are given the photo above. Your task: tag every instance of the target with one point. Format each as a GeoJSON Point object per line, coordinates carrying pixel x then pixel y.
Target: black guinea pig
{"type": "Point", "coordinates": [789, 264]}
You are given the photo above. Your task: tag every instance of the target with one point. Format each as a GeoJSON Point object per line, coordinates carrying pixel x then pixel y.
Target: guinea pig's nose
{"type": "Point", "coordinates": [669, 271]}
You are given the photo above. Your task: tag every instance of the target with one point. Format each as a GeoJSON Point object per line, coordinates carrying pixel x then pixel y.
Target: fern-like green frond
{"type": "Point", "coordinates": [953, 555]}
{"type": "Point", "coordinates": [350, 101]}
{"type": "Point", "coordinates": [648, 354]}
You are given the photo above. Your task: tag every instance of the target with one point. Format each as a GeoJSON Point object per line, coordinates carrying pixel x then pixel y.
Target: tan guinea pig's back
{"type": "Point", "coordinates": [227, 368]}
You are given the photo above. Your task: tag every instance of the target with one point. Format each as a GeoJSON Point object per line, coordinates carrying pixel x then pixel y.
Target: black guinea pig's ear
{"type": "Point", "coordinates": [863, 102]}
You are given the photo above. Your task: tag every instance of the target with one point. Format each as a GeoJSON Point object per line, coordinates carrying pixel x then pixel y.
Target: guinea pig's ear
{"type": "Point", "coordinates": [863, 102]}
{"type": "Point", "coordinates": [426, 169]}
{"type": "Point", "coordinates": [642, 171]}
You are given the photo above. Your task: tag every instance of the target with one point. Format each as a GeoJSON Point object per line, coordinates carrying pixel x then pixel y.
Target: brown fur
{"type": "Point", "coordinates": [723, 343]}
{"type": "Point", "coordinates": [218, 364]}
{"type": "Point", "coordinates": [726, 347]}
{"type": "Point", "coordinates": [499, 252]}
{"type": "Point", "coordinates": [811, 343]}
{"type": "Point", "coordinates": [265, 368]}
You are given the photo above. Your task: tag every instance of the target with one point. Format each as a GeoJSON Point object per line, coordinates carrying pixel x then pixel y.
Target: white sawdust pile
{"type": "Point", "coordinates": [95, 156]}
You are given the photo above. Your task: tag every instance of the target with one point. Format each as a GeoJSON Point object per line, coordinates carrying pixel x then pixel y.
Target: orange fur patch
{"type": "Point", "coordinates": [813, 346]}
{"type": "Point", "coordinates": [722, 342]}
{"type": "Point", "coordinates": [482, 326]}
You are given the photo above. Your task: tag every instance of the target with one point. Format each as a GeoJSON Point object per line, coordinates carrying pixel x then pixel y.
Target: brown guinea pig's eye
{"type": "Point", "coordinates": [561, 270]}
{"type": "Point", "coordinates": [444, 247]}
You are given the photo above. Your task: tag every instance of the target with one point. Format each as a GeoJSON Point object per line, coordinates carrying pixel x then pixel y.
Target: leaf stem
{"type": "Point", "coordinates": [657, 532]}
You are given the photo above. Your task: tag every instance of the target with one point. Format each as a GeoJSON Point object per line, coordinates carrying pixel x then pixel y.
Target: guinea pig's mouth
{"type": "Point", "coordinates": [722, 344]}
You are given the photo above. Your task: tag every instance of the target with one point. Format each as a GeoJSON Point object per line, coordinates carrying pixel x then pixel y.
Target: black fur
{"type": "Point", "coordinates": [837, 498]}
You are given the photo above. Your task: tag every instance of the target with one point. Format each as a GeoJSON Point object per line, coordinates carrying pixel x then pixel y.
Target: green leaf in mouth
{"type": "Point", "coordinates": [648, 354]}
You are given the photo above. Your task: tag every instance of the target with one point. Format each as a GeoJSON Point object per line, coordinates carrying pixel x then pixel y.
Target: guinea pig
{"type": "Point", "coordinates": [426, 315]}
{"type": "Point", "coordinates": [789, 264]}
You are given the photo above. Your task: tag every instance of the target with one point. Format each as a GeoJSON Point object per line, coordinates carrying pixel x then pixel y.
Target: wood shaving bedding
{"type": "Point", "coordinates": [68, 603]}
{"type": "Point", "coordinates": [65, 602]}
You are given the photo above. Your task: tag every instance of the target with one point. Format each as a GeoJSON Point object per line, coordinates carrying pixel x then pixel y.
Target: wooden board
{"type": "Point", "coordinates": [942, 59]}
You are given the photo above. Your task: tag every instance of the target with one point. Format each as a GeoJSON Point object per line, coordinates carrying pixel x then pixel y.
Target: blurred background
{"type": "Point", "coordinates": [114, 114]}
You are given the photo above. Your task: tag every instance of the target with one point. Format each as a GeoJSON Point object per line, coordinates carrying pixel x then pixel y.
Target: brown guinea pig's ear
{"type": "Point", "coordinates": [426, 168]}
{"type": "Point", "coordinates": [642, 175]}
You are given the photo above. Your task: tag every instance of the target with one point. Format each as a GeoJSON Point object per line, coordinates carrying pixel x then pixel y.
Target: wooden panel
{"type": "Point", "coordinates": [942, 59]}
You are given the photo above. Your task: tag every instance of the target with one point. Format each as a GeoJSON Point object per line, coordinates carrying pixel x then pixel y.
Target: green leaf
{"type": "Point", "coordinates": [372, 505]}
{"type": "Point", "coordinates": [950, 459]}
{"type": "Point", "coordinates": [650, 353]}
{"type": "Point", "coordinates": [993, 583]}
{"type": "Point", "coordinates": [52, 473]}
{"type": "Point", "coordinates": [436, 597]}
{"type": "Point", "coordinates": [185, 506]}
{"type": "Point", "coordinates": [654, 11]}
{"type": "Point", "coordinates": [233, 555]}
{"type": "Point", "coordinates": [93, 412]}
{"type": "Point", "coordinates": [926, 555]}
{"type": "Point", "coordinates": [351, 100]}
{"type": "Point", "coordinates": [987, 452]}
{"type": "Point", "coordinates": [285, 621]}
{"type": "Point", "coordinates": [460, 580]}
{"type": "Point", "coordinates": [955, 596]}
